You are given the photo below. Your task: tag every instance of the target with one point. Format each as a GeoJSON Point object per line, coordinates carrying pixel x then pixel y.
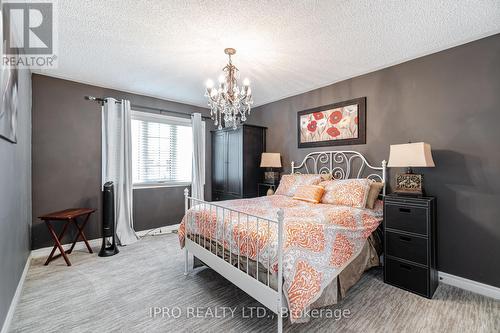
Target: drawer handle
{"type": "Point", "coordinates": [405, 210]}
{"type": "Point", "coordinates": [405, 239]}
{"type": "Point", "coordinates": [407, 267]}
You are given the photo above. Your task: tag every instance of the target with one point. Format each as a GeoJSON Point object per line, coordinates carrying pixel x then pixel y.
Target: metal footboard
{"type": "Point", "coordinates": [201, 244]}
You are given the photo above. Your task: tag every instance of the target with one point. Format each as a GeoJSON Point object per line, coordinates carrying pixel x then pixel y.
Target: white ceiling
{"type": "Point", "coordinates": [168, 49]}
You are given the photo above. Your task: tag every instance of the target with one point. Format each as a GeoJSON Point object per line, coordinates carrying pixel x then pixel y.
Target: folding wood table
{"type": "Point", "coordinates": [68, 216]}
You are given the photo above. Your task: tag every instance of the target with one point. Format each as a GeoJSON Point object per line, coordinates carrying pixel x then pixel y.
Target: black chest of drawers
{"type": "Point", "coordinates": [410, 243]}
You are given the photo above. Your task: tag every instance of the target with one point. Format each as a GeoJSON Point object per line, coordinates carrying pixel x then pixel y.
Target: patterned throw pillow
{"type": "Point", "coordinates": [375, 189]}
{"type": "Point", "coordinates": [290, 183]}
{"type": "Point", "coordinates": [326, 176]}
{"type": "Point", "coordinates": [309, 193]}
{"type": "Point", "coordinates": [347, 192]}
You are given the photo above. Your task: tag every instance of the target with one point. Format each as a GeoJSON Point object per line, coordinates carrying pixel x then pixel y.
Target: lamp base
{"type": "Point", "coordinates": [271, 177]}
{"type": "Point", "coordinates": [411, 184]}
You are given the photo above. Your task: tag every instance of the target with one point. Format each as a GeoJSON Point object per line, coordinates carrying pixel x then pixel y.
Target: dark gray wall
{"type": "Point", "coordinates": [449, 99]}
{"type": "Point", "coordinates": [67, 157]}
{"type": "Point", "coordinates": [15, 199]}
{"type": "Point", "coordinates": [159, 206]}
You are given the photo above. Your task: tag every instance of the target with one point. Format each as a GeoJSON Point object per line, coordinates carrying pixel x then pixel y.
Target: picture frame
{"type": "Point", "coordinates": [9, 82]}
{"type": "Point", "coordinates": [338, 124]}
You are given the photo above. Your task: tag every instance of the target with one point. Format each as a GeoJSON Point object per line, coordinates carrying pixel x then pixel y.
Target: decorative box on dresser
{"type": "Point", "coordinates": [235, 162]}
{"type": "Point", "coordinates": [410, 243]}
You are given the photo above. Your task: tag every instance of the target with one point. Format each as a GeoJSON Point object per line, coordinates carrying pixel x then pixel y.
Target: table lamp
{"type": "Point", "coordinates": [410, 155]}
{"type": "Point", "coordinates": [271, 161]}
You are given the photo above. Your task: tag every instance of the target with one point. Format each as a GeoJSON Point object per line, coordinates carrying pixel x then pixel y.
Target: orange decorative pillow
{"type": "Point", "coordinates": [289, 183]}
{"type": "Point", "coordinates": [309, 193]}
{"type": "Point", "coordinates": [347, 192]}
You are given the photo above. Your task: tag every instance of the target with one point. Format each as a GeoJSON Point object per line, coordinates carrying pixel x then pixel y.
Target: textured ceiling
{"type": "Point", "coordinates": [168, 49]}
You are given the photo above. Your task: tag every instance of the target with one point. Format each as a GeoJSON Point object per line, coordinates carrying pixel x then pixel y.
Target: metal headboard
{"type": "Point", "coordinates": [342, 165]}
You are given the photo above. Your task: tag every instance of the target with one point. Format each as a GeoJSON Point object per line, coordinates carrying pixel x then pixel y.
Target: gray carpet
{"type": "Point", "coordinates": [116, 294]}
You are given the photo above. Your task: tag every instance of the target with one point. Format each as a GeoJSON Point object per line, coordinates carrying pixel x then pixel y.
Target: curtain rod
{"type": "Point", "coordinates": [102, 100]}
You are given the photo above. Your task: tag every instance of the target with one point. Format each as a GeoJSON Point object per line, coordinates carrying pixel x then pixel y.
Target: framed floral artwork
{"type": "Point", "coordinates": [337, 124]}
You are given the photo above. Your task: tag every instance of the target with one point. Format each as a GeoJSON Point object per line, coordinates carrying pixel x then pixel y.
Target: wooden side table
{"type": "Point", "coordinates": [67, 216]}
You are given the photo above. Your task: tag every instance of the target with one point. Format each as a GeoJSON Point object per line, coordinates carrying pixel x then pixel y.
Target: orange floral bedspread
{"type": "Point", "coordinates": [319, 240]}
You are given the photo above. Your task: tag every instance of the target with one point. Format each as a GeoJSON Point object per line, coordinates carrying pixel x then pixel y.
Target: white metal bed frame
{"type": "Point", "coordinates": [341, 164]}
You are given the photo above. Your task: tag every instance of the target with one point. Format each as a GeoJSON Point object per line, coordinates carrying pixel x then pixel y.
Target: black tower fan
{"type": "Point", "coordinates": [108, 221]}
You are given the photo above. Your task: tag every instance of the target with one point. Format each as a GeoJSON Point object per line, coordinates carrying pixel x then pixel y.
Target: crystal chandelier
{"type": "Point", "coordinates": [229, 104]}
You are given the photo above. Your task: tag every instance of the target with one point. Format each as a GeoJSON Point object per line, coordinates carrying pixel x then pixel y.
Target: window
{"type": "Point", "coordinates": [162, 148]}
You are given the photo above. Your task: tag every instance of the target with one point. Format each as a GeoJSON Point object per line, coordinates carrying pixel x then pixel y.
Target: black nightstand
{"type": "Point", "coordinates": [410, 243]}
{"type": "Point", "coordinates": [263, 187]}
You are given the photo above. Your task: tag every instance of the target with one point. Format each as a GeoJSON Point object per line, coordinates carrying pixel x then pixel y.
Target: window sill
{"type": "Point", "coordinates": [160, 185]}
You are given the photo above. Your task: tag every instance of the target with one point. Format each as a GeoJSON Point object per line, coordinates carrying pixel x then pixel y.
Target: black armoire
{"type": "Point", "coordinates": [236, 162]}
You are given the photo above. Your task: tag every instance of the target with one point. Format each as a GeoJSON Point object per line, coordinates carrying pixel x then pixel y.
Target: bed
{"type": "Point", "coordinates": [290, 255]}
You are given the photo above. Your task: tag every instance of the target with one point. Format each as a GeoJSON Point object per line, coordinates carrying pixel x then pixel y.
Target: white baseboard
{"type": "Point", "coordinates": [470, 285]}
{"type": "Point", "coordinates": [17, 296]}
{"type": "Point", "coordinates": [45, 251]}
{"type": "Point", "coordinates": [158, 231]}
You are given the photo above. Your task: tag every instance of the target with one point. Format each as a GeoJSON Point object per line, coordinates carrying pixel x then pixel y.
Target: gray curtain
{"type": "Point", "coordinates": [117, 164]}
{"type": "Point", "coordinates": [198, 178]}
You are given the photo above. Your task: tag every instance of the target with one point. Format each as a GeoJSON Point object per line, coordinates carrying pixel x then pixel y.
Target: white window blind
{"type": "Point", "coordinates": [162, 149]}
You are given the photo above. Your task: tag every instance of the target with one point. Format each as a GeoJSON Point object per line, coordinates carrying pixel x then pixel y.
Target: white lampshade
{"type": "Point", "coordinates": [417, 155]}
{"type": "Point", "coordinates": [270, 160]}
